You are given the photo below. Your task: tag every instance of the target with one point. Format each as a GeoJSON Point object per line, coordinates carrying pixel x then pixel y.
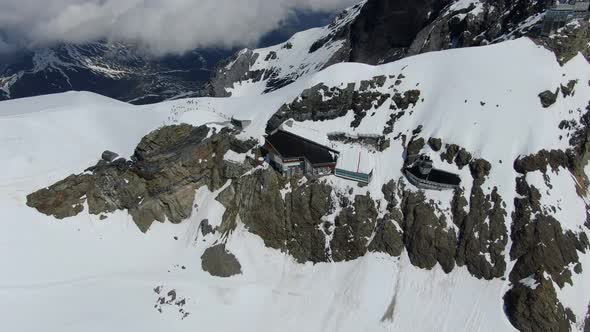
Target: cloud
{"type": "Point", "coordinates": [160, 26]}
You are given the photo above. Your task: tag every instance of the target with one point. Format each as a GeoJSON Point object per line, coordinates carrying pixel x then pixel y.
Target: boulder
{"type": "Point", "coordinates": [548, 98]}
{"type": "Point", "coordinates": [157, 184]}
{"type": "Point", "coordinates": [450, 153]}
{"type": "Point", "coordinates": [462, 158]}
{"type": "Point", "coordinates": [219, 262]}
{"type": "Point", "coordinates": [568, 90]}
{"type": "Point", "coordinates": [435, 143]}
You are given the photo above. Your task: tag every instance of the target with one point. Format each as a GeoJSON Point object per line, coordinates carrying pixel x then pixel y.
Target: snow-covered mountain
{"type": "Point", "coordinates": [124, 71]}
{"type": "Point", "coordinates": [112, 69]}
{"type": "Point", "coordinates": [373, 32]}
{"type": "Point", "coordinates": [237, 246]}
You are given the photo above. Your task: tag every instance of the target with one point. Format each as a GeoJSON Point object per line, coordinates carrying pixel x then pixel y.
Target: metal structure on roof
{"type": "Point", "coordinates": [563, 12]}
{"type": "Point", "coordinates": [423, 175]}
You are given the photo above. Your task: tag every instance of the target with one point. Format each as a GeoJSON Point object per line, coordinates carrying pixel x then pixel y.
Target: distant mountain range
{"type": "Point", "coordinates": [122, 71]}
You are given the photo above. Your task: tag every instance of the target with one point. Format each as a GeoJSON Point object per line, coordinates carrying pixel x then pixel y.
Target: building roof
{"type": "Point", "coordinates": [355, 158]}
{"type": "Point", "coordinates": [289, 145]}
{"type": "Point", "coordinates": [437, 176]}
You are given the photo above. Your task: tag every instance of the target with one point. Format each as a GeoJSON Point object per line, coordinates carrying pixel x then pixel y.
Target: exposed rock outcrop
{"type": "Point", "coordinates": [378, 143]}
{"type": "Point", "coordinates": [385, 29]}
{"type": "Point", "coordinates": [541, 248]}
{"type": "Point", "coordinates": [435, 144]}
{"type": "Point", "coordinates": [426, 236]}
{"type": "Point", "coordinates": [403, 101]}
{"type": "Point", "coordinates": [532, 227]}
{"type": "Point", "coordinates": [219, 262]}
{"type": "Point", "coordinates": [569, 41]}
{"type": "Point", "coordinates": [352, 229]}
{"type": "Point", "coordinates": [536, 309]}
{"type": "Point", "coordinates": [548, 98]}
{"type": "Point", "coordinates": [478, 24]}
{"type": "Point", "coordinates": [324, 103]}
{"type": "Point", "coordinates": [297, 223]}
{"type": "Point", "coordinates": [159, 182]}
{"type": "Point", "coordinates": [482, 229]}
{"type": "Point", "coordinates": [381, 31]}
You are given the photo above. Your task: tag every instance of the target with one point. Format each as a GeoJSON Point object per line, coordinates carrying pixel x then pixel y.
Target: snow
{"type": "Point", "coordinates": [355, 158]}
{"type": "Point", "coordinates": [559, 198]}
{"type": "Point", "coordinates": [530, 282]}
{"type": "Point", "coordinates": [577, 297]}
{"type": "Point", "coordinates": [290, 63]}
{"type": "Point", "coordinates": [234, 156]}
{"type": "Point", "coordinates": [465, 4]}
{"type": "Point", "coordinates": [84, 274]}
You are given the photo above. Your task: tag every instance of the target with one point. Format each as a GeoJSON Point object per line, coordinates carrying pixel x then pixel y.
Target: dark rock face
{"type": "Point", "coordinates": [541, 247]}
{"type": "Point", "coordinates": [385, 29]}
{"type": "Point", "coordinates": [381, 31]}
{"type": "Point", "coordinates": [435, 144]}
{"type": "Point", "coordinates": [568, 89]}
{"type": "Point", "coordinates": [206, 229]}
{"type": "Point", "coordinates": [532, 227]}
{"type": "Point", "coordinates": [427, 237]}
{"type": "Point", "coordinates": [413, 149]}
{"type": "Point", "coordinates": [240, 71]}
{"type": "Point", "coordinates": [169, 164]}
{"type": "Point", "coordinates": [291, 225]}
{"type": "Point", "coordinates": [353, 226]}
{"type": "Point", "coordinates": [482, 230]}
{"type": "Point", "coordinates": [463, 158]}
{"type": "Point", "coordinates": [496, 21]}
{"type": "Point", "coordinates": [536, 309]}
{"type": "Point", "coordinates": [548, 98]}
{"type": "Point", "coordinates": [378, 143]}
{"type": "Point", "coordinates": [62, 200]}
{"type": "Point", "coordinates": [219, 262]}
{"type": "Point", "coordinates": [300, 223]}
{"type": "Point", "coordinates": [387, 239]}
{"type": "Point", "coordinates": [570, 41]}
{"type": "Point", "coordinates": [323, 103]}
{"type": "Point", "coordinates": [450, 153]}
{"type": "Point", "coordinates": [408, 98]}
{"type": "Point", "coordinates": [542, 161]}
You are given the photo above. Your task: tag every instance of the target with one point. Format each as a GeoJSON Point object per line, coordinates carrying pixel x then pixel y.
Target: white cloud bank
{"type": "Point", "coordinates": [161, 26]}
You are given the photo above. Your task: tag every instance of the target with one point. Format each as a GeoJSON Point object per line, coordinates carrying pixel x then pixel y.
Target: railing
{"type": "Point", "coordinates": [353, 136]}
{"type": "Point", "coordinates": [425, 184]}
{"type": "Point", "coordinates": [360, 177]}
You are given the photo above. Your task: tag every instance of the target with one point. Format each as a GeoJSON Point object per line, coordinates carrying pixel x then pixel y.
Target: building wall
{"type": "Point", "coordinates": [292, 167]}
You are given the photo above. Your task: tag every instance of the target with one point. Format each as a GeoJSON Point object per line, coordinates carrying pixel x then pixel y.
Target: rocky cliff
{"type": "Point", "coordinates": [318, 221]}
{"type": "Point", "coordinates": [374, 32]}
{"type": "Point", "coordinates": [519, 218]}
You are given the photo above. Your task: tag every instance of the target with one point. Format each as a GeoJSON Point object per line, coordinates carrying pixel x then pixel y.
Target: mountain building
{"type": "Point", "coordinates": [291, 155]}
{"type": "Point", "coordinates": [423, 175]}
{"type": "Point", "coordinates": [562, 12]}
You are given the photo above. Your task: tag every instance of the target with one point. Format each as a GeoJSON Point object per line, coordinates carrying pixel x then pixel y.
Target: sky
{"type": "Point", "coordinates": [159, 26]}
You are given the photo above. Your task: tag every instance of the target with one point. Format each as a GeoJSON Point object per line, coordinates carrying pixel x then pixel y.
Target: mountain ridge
{"type": "Point", "coordinates": [482, 238]}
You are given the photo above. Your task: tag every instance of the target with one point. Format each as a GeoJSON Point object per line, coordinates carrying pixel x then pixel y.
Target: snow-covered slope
{"type": "Point", "coordinates": [267, 69]}
{"type": "Point", "coordinates": [375, 32]}
{"type": "Point", "coordinates": [83, 273]}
